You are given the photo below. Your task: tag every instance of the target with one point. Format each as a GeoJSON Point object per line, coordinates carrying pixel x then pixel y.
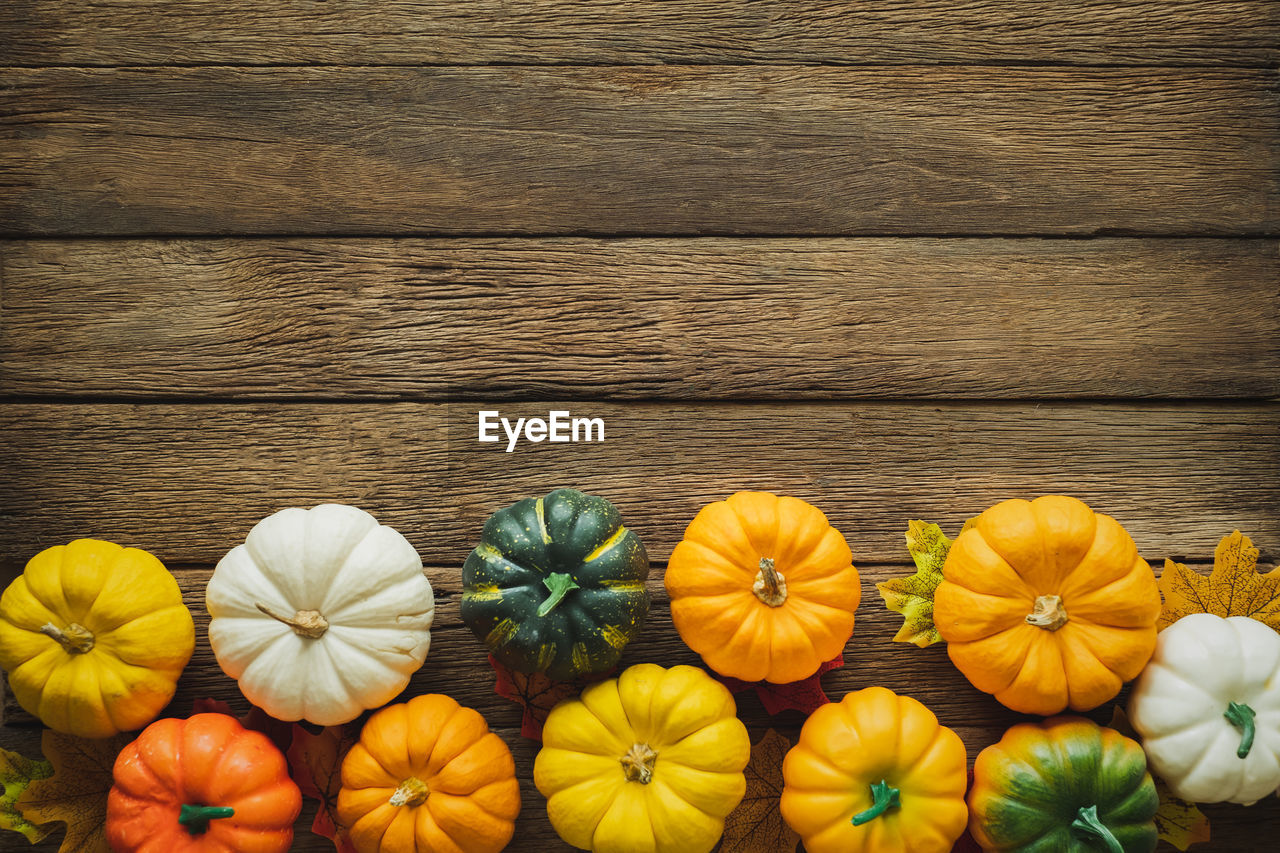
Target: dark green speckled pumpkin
{"type": "Point", "coordinates": [556, 585]}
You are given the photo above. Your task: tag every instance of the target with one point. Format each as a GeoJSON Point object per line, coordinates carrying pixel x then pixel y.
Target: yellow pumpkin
{"type": "Point", "coordinates": [763, 588]}
{"type": "Point", "coordinates": [94, 637]}
{"type": "Point", "coordinates": [650, 761]}
{"type": "Point", "coordinates": [875, 773]}
{"type": "Point", "coordinates": [1046, 605]}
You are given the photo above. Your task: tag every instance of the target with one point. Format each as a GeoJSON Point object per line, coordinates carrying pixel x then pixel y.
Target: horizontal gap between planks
{"type": "Point", "coordinates": [1096, 234]}
{"type": "Point", "coordinates": [489, 398]}
{"type": "Point", "coordinates": [799, 63]}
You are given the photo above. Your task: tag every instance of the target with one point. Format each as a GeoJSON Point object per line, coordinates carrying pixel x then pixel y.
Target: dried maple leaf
{"type": "Point", "coordinates": [1233, 588]}
{"type": "Point", "coordinates": [17, 772]}
{"type": "Point", "coordinates": [212, 706]}
{"type": "Point", "coordinates": [255, 719]}
{"type": "Point", "coordinates": [805, 696]}
{"type": "Point", "coordinates": [1178, 822]}
{"type": "Point", "coordinates": [315, 763]}
{"type": "Point", "coordinates": [76, 792]}
{"type": "Point", "coordinates": [756, 825]}
{"type": "Point", "coordinates": [912, 596]}
{"type": "Point", "coordinates": [536, 694]}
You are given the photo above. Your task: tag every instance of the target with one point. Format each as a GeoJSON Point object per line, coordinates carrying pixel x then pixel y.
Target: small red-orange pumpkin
{"type": "Point", "coordinates": [201, 785]}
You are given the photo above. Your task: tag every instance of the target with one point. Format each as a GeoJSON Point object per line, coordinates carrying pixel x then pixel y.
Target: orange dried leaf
{"type": "Point", "coordinates": [76, 793]}
{"type": "Point", "coordinates": [756, 825]}
{"type": "Point", "coordinates": [912, 596]}
{"type": "Point", "coordinates": [1233, 588]}
{"type": "Point", "coordinates": [315, 763]}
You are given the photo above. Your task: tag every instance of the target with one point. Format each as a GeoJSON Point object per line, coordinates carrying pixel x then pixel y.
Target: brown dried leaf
{"type": "Point", "coordinates": [756, 825]}
{"type": "Point", "coordinates": [76, 793]}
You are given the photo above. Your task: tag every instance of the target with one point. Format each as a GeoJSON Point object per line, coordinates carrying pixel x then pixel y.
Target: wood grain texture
{"type": "Point", "coordinates": [187, 482]}
{"type": "Point", "coordinates": [701, 318]}
{"type": "Point", "coordinates": [455, 666]}
{"type": "Point", "coordinates": [676, 150]}
{"type": "Point", "coordinates": [433, 32]}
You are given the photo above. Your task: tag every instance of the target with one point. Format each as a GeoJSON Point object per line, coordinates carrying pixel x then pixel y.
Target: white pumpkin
{"type": "Point", "coordinates": [320, 614]}
{"type": "Point", "coordinates": [1211, 686]}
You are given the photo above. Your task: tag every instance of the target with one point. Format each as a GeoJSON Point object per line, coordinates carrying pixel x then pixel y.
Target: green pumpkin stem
{"type": "Point", "coordinates": [1241, 716]}
{"type": "Point", "coordinates": [195, 819]}
{"type": "Point", "coordinates": [560, 585]}
{"type": "Point", "coordinates": [883, 797]}
{"type": "Point", "coordinates": [1088, 824]}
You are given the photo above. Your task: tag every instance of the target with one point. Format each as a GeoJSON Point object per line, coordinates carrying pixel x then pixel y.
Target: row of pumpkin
{"type": "Point", "coordinates": [650, 761]}
{"type": "Point", "coordinates": [323, 613]}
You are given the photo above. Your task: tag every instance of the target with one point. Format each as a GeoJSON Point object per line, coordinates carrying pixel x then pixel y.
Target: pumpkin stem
{"type": "Point", "coordinates": [770, 586]}
{"type": "Point", "coordinates": [1088, 824]}
{"type": "Point", "coordinates": [560, 585]}
{"type": "Point", "coordinates": [1048, 613]}
{"type": "Point", "coordinates": [1241, 716]}
{"type": "Point", "coordinates": [305, 623]}
{"type": "Point", "coordinates": [75, 639]}
{"type": "Point", "coordinates": [412, 792]}
{"type": "Point", "coordinates": [883, 797]}
{"type": "Point", "coordinates": [195, 819]}
{"type": "Point", "coordinates": [637, 764]}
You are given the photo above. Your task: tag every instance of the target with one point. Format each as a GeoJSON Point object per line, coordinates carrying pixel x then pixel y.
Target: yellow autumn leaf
{"type": "Point", "coordinates": [76, 793]}
{"type": "Point", "coordinates": [756, 825]}
{"type": "Point", "coordinates": [912, 596]}
{"type": "Point", "coordinates": [1178, 822]}
{"type": "Point", "coordinates": [1233, 588]}
{"type": "Point", "coordinates": [17, 772]}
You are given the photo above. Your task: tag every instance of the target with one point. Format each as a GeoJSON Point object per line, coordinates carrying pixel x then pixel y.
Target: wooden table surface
{"type": "Point", "coordinates": [902, 260]}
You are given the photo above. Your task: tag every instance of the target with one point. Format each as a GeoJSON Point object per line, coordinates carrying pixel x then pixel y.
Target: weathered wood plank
{"type": "Point", "coordinates": [456, 667]}
{"type": "Point", "coordinates": [429, 32]}
{"type": "Point", "coordinates": [702, 318]}
{"type": "Point", "coordinates": [189, 481]}
{"type": "Point", "coordinates": [678, 150]}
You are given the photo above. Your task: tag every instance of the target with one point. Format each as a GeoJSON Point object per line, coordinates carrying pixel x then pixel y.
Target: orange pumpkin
{"type": "Point", "coordinates": [763, 588]}
{"type": "Point", "coordinates": [1046, 605]}
{"type": "Point", "coordinates": [875, 773]}
{"type": "Point", "coordinates": [201, 785]}
{"type": "Point", "coordinates": [427, 775]}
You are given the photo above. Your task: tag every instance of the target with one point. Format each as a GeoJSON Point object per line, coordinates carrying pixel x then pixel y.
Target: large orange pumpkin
{"type": "Point", "coordinates": [1046, 605]}
{"type": "Point", "coordinates": [763, 588]}
{"type": "Point", "coordinates": [201, 785]}
{"type": "Point", "coordinates": [427, 776]}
